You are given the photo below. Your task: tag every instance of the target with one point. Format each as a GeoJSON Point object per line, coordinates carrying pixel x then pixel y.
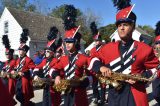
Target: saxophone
{"type": "Point", "coordinates": [65, 85]}
{"type": "Point", "coordinates": [14, 76]}
{"type": "Point", "coordinates": [2, 75]}
{"type": "Point", "coordinates": [116, 78]}
{"type": "Point", "coordinates": [41, 82]}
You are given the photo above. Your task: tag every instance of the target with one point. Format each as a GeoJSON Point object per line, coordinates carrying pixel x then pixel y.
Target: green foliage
{"type": "Point", "coordinates": [148, 29]}
{"type": "Point", "coordinates": [31, 8]}
{"type": "Point", "coordinates": [18, 4]}
{"type": "Point", "coordinates": [107, 31]}
{"type": "Point", "coordinates": [83, 19]}
{"type": "Point", "coordinates": [58, 11]}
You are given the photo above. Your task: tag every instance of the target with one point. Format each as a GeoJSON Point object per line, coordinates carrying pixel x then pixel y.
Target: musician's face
{"type": "Point", "coordinates": [58, 54]}
{"type": "Point", "coordinates": [125, 30]}
{"type": "Point", "coordinates": [97, 42]}
{"type": "Point", "coordinates": [22, 53]}
{"type": "Point", "coordinates": [156, 49]}
{"type": "Point", "coordinates": [70, 46]}
{"type": "Point", "coordinates": [48, 53]}
{"type": "Point", "coordinates": [8, 56]}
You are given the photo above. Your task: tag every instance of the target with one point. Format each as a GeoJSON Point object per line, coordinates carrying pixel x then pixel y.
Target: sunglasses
{"type": "Point", "coordinates": [157, 42]}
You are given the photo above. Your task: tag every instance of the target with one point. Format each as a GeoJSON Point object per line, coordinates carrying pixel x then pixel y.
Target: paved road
{"type": "Point", "coordinates": [38, 97]}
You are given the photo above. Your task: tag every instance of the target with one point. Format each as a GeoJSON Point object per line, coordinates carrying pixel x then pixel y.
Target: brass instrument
{"type": "Point", "coordinates": [10, 75]}
{"type": "Point", "coordinates": [42, 81]}
{"type": "Point", "coordinates": [3, 74]}
{"type": "Point", "coordinates": [116, 78]}
{"type": "Point", "coordinates": [65, 84]}
{"type": "Point", "coordinates": [15, 75]}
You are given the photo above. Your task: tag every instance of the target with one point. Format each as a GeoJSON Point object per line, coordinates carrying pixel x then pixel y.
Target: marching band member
{"type": "Point", "coordinates": [156, 82]}
{"type": "Point", "coordinates": [50, 96]}
{"type": "Point", "coordinates": [9, 66]}
{"type": "Point", "coordinates": [24, 88]}
{"type": "Point", "coordinates": [128, 57]}
{"type": "Point", "coordinates": [73, 63]}
{"type": "Point", "coordinates": [98, 45]}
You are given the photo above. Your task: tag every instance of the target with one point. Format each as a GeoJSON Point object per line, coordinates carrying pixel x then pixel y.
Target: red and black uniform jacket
{"type": "Point", "coordinates": [24, 65]}
{"type": "Point", "coordinates": [44, 67]}
{"type": "Point", "coordinates": [134, 58]}
{"type": "Point", "coordinates": [73, 67]}
{"type": "Point", "coordinates": [8, 67]}
{"type": "Point", "coordinates": [94, 53]}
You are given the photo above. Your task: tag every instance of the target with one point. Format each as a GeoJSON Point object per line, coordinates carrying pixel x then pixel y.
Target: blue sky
{"type": "Point", "coordinates": [147, 11]}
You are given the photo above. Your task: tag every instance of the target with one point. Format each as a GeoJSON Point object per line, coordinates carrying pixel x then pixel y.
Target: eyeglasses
{"type": "Point", "coordinates": [157, 42]}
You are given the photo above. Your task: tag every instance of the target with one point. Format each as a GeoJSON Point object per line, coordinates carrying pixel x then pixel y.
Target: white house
{"type": "Point", "coordinates": [13, 21]}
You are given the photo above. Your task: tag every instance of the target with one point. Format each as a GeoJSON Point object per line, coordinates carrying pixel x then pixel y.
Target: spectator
{"type": "Point", "coordinates": [38, 58]}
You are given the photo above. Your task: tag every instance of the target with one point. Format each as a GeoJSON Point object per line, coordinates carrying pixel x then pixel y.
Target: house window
{"type": "Point", "coordinates": [5, 27]}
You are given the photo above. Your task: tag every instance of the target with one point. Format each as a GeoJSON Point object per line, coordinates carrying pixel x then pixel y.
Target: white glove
{"type": "Point", "coordinates": [36, 77]}
{"type": "Point", "coordinates": [154, 74]}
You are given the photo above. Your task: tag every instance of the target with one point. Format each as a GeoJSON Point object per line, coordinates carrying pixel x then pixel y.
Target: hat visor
{"type": "Point", "coordinates": [22, 49]}
{"type": "Point", "coordinates": [69, 40]}
{"type": "Point", "coordinates": [126, 20]}
{"type": "Point", "coordinates": [49, 49]}
{"type": "Point", "coordinates": [157, 42]}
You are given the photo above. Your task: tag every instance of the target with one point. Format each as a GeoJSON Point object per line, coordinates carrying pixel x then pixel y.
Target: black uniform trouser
{"type": "Point", "coordinates": [102, 93]}
{"type": "Point", "coordinates": [69, 99]}
{"type": "Point", "coordinates": [123, 97]}
{"type": "Point", "coordinates": [156, 89]}
{"type": "Point", "coordinates": [19, 93]}
{"type": "Point", "coordinates": [98, 94]}
{"type": "Point", "coordinates": [46, 96]}
{"type": "Point", "coordinates": [95, 89]}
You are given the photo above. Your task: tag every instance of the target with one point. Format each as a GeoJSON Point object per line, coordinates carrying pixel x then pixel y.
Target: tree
{"type": "Point", "coordinates": [18, 4]}
{"type": "Point", "coordinates": [83, 18]}
{"type": "Point", "coordinates": [41, 6]}
{"type": "Point", "coordinates": [89, 16]}
{"type": "Point", "coordinates": [31, 8]}
{"type": "Point", "coordinates": [58, 11]}
{"type": "Point", "coordinates": [148, 29]}
{"type": "Point", "coordinates": [107, 31]}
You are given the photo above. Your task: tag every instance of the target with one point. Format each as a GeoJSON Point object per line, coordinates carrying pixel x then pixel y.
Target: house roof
{"type": "Point", "coordinates": [142, 31]}
{"type": "Point", "coordinates": [38, 25]}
